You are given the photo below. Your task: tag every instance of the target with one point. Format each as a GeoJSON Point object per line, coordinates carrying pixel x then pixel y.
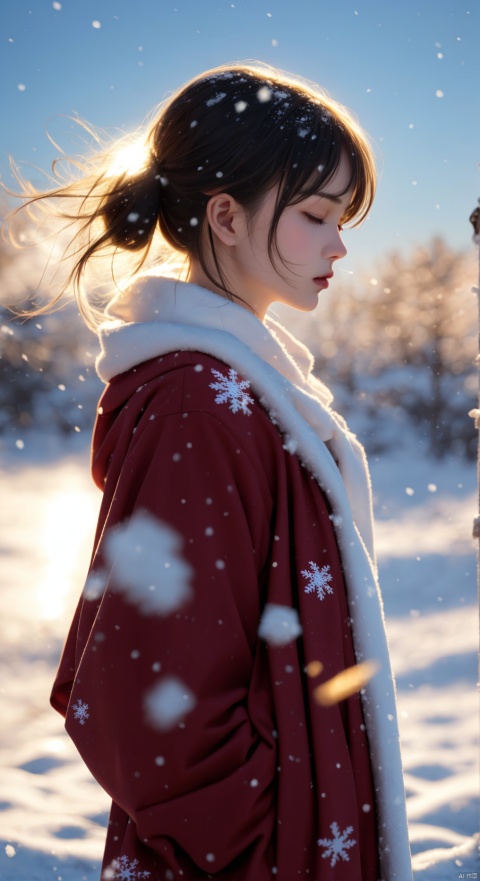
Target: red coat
{"type": "Point", "coordinates": [257, 780]}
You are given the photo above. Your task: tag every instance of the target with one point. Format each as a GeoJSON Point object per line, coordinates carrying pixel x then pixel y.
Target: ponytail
{"type": "Point", "coordinates": [131, 208]}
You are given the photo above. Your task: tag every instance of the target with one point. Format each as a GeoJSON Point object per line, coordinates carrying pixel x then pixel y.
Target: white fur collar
{"type": "Point", "coordinates": [153, 298]}
{"type": "Point", "coordinates": [156, 316]}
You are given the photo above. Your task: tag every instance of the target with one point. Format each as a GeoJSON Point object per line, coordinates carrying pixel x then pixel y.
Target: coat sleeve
{"type": "Point", "coordinates": [179, 781]}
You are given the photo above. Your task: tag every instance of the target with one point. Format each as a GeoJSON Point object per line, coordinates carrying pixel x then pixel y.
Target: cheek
{"type": "Point", "coordinates": [295, 239]}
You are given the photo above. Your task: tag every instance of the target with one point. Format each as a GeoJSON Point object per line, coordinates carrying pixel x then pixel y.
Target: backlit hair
{"type": "Point", "coordinates": [239, 129]}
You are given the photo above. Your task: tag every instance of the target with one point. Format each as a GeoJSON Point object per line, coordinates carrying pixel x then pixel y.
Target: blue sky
{"type": "Point", "coordinates": [409, 70]}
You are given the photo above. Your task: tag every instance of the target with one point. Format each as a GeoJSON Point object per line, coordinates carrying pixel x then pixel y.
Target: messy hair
{"type": "Point", "coordinates": [239, 129]}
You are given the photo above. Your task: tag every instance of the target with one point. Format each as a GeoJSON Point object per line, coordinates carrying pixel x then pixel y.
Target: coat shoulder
{"type": "Point", "coordinates": [188, 384]}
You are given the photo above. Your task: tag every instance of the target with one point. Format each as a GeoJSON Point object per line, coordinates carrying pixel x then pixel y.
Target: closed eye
{"type": "Point", "coordinates": [317, 220]}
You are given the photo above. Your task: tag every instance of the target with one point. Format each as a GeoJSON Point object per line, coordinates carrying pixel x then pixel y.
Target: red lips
{"type": "Point", "coordinates": [322, 280]}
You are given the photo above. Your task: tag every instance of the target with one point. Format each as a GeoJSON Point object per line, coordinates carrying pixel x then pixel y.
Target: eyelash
{"type": "Point", "coordinates": [318, 221]}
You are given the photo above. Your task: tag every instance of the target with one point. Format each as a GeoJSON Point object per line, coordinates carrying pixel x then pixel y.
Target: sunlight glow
{"type": "Point", "coordinates": [130, 159]}
{"type": "Point", "coordinates": [54, 745]}
{"type": "Point", "coordinates": [66, 521]}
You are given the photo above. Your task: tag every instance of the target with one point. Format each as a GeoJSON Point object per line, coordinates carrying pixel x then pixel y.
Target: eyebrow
{"type": "Point", "coordinates": [328, 196]}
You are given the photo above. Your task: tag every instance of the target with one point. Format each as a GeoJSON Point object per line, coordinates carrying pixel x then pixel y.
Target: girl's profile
{"type": "Point", "coordinates": [226, 677]}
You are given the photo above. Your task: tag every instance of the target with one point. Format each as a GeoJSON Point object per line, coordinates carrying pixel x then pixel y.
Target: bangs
{"type": "Point", "coordinates": [316, 156]}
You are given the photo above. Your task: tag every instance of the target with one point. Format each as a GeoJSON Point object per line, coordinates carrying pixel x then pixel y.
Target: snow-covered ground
{"type": "Point", "coordinates": [53, 814]}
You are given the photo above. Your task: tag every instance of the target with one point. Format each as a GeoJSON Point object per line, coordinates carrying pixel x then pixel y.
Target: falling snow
{"type": "Point", "coordinates": [443, 804]}
{"type": "Point", "coordinates": [318, 580]}
{"type": "Point", "coordinates": [95, 585]}
{"type": "Point", "coordinates": [279, 625]}
{"type": "Point", "coordinates": [337, 846]}
{"type": "Point", "coordinates": [147, 566]}
{"type": "Point", "coordinates": [167, 703]}
{"type": "Point", "coordinates": [264, 94]}
{"type": "Point", "coordinates": [232, 390]}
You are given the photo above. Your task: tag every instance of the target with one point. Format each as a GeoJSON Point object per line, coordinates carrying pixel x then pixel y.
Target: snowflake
{"type": "Point", "coordinates": [338, 845]}
{"type": "Point", "coordinates": [124, 870]}
{"type": "Point", "coordinates": [232, 390]}
{"type": "Point", "coordinates": [80, 711]}
{"type": "Point", "coordinates": [318, 580]}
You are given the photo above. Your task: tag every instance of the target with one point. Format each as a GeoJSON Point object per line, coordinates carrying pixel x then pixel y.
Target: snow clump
{"type": "Point", "coordinates": [167, 703]}
{"type": "Point", "coordinates": [216, 99]}
{"type": "Point", "coordinates": [290, 445]}
{"type": "Point", "coordinates": [147, 566]}
{"type": "Point", "coordinates": [279, 625]}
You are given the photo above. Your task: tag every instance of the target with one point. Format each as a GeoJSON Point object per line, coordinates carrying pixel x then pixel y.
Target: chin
{"type": "Point", "coordinates": [297, 307]}
{"type": "Point", "coordinates": [306, 304]}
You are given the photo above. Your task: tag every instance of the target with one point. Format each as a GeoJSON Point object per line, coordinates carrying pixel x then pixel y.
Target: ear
{"type": "Point", "coordinates": [226, 218]}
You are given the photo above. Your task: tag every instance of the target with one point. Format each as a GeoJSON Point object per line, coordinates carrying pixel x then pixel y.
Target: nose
{"type": "Point", "coordinates": [337, 246]}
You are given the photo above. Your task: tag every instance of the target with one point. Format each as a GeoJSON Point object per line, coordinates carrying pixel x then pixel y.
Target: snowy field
{"type": "Point", "coordinates": [53, 814]}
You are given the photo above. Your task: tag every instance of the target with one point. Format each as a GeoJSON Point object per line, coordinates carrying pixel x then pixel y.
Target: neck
{"type": "Point", "coordinates": [197, 275]}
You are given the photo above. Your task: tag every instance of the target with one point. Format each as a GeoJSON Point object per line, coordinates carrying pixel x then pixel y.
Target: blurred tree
{"type": "Point", "coordinates": [413, 330]}
{"type": "Point", "coordinates": [47, 378]}
{"type": "Point", "coordinates": [403, 343]}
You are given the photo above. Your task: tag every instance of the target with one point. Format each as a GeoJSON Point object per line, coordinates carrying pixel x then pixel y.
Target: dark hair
{"type": "Point", "coordinates": [236, 129]}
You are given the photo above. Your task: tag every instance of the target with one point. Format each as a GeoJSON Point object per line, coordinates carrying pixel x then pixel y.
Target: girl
{"type": "Point", "coordinates": [233, 576]}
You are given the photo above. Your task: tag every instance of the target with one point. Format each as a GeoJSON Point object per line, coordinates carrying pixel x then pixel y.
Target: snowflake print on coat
{"type": "Point", "coordinates": [318, 580]}
{"type": "Point", "coordinates": [124, 870]}
{"type": "Point", "coordinates": [80, 712]}
{"type": "Point", "coordinates": [338, 845]}
{"type": "Point", "coordinates": [232, 390]}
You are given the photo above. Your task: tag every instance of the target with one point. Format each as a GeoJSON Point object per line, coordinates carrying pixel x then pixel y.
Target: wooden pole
{"type": "Point", "coordinates": [475, 221]}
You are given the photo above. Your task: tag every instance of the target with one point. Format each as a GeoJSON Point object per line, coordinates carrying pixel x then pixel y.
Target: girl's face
{"type": "Point", "coordinates": [308, 241]}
